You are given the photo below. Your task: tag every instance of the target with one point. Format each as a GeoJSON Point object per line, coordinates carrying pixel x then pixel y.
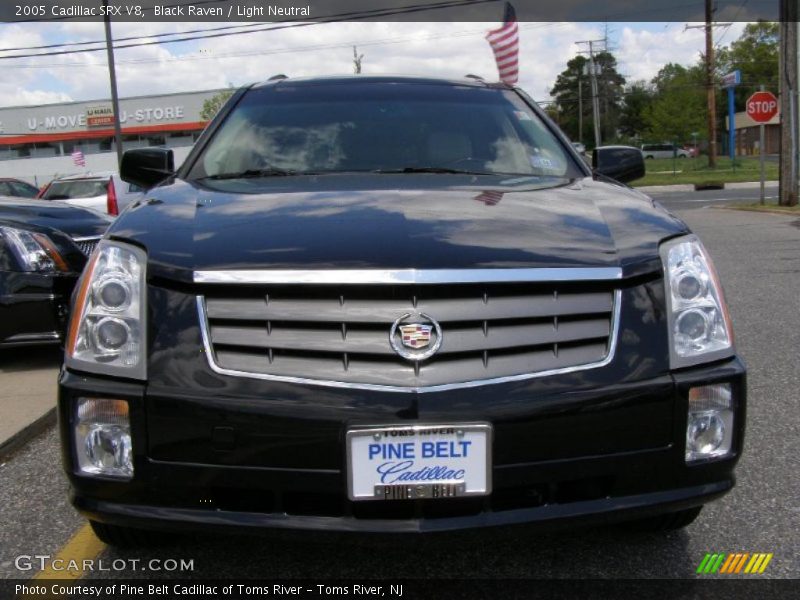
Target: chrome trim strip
{"type": "Point", "coordinates": [212, 362]}
{"type": "Point", "coordinates": [92, 238]}
{"type": "Point", "coordinates": [47, 336]}
{"type": "Point", "coordinates": [407, 276]}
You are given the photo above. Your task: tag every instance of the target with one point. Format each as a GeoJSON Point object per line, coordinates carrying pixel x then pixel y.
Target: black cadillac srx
{"type": "Point", "coordinates": [399, 305]}
{"type": "Point", "coordinates": [43, 249]}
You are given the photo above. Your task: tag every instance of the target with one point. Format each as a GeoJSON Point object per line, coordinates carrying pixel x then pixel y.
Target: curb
{"type": "Point", "coordinates": [689, 187]}
{"type": "Point", "coordinates": [763, 211]}
{"type": "Point", "coordinates": [27, 433]}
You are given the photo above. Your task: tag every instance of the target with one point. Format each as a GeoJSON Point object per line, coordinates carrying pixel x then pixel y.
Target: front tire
{"type": "Point", "coordinates": [126, 537]}
{"type": "Point", "coordinates": [663, 523]}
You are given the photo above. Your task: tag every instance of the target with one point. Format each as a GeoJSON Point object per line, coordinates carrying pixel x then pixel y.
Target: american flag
{"type": "Point", "coordinates": [505, 45]}
{"type": "Point", "coordinates": [489, 197]}
{"type": "Point", "coordinates": [78, 159]}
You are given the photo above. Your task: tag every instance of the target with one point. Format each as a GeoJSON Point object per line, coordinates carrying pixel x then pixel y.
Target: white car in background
{"type": "Point", "coordinates": [102, 192]}
{"type": "Point", "coordinates": [664, 151]}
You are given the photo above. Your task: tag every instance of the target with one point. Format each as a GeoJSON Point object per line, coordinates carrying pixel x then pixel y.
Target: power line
{"type": "Point", "coordinates": [285, 50]}
{"type": "Point", "coordinates": [126, 39]}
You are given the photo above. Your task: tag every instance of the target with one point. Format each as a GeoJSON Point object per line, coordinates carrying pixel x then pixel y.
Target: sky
{"type": "Point", "coordinates": [435, 49]}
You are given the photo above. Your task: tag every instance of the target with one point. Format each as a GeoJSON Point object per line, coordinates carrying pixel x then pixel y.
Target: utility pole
{"type": "Point", "coordinates": [788, 100]}
{"type": "Point", "coordinates": [593, 80]}
{"type": "Point", "coordinates": [711, 90]}
{"type": "Point", "coordinates": [113, 76]}
{"type": "Point", "coordinates": [580, 108]}
{"type": "Point", "coordinates": [595, 99]}
{"type": "Point", "coordinates": [357, 58]}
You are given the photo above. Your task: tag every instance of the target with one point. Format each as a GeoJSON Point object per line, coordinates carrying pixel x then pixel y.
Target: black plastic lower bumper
{"type": "Point", "coordinates": [601, 511]}
{"type": "Point", "coordinates": [255, 486]}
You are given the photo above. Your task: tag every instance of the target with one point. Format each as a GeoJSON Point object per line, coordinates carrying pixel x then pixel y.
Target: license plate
{"type": "Point", "coordinates": [419, 461]}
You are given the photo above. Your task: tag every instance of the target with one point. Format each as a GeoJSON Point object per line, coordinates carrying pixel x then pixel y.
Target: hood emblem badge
{"type": "Point", "coordinates": [415, 339]}
{"type": "Point", "coordinates": [416, 335]}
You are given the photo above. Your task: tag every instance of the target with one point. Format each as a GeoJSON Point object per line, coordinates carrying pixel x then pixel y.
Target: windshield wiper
{"type": "Point", "coordinates": [429, 170]}
{"type": "Point", "coordinates": [253, 173]}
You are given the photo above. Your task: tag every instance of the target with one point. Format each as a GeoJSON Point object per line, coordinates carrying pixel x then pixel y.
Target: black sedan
{"type": "Point", "coordinates": [396, 305]}
{"type": "Point", "coordinates": [43, 249]}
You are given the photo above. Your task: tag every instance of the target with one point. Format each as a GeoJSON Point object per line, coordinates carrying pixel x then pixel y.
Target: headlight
{"type": "Point", "coordinates": [34, 251]}
{"type": "Point", "coordinates": [699, 324]}
{"type": "Point", "coordinates": [107, 327]}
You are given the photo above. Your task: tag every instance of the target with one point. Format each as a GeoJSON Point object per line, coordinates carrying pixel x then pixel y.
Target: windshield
{"type": "Point", "coordinates": [385, 128]}
{"type": "Point", "coordinates": [78, 188]}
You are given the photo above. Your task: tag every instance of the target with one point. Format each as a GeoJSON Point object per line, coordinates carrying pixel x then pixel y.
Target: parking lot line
{"type": "Point", "coordinates": [83, 545]}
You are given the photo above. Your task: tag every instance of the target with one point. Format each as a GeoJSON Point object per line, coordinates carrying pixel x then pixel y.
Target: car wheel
{"type": "Point", "coordinates": [662, 523]}
{"type": "Point", "coordinates": [126, 537]}
{"type": "Point", "coordinates": [648, 157]}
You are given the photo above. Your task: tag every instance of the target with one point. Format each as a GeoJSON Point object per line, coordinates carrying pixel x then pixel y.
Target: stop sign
{"type": "Point", "coordinates": [762, 106]}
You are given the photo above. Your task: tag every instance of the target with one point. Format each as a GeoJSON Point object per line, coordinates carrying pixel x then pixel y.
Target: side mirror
{"type": "Point", "coordinates": [146, 167]}
{"type": "Point", "coordinates": [623, 163]}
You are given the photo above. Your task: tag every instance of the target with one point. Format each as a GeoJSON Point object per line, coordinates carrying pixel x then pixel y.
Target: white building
{"type": "Point", "coordinates": [36, 142]}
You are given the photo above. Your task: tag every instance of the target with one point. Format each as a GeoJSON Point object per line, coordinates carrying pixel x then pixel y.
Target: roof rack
{"type": "Point", "coordinates": [277, 77]}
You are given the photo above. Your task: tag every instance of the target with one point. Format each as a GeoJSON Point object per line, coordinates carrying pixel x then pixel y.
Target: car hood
{"type": "Point", "coordinates": [396, 222]}
{"type": "Point", "coordinates": [72, 220]}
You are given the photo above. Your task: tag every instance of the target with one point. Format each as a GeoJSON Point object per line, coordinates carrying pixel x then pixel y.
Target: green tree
{"type": "Point", "coordinates": [756, 55]}
{"type": "Point", "coordinates": [212, 105]}
{"type": "Point", "coordinates": [552, 112]}
{"type": "Point", "coordinates": [610, 92]}
{"type": "Point", "coordinates": [679, 105]}
{"type": "Point", "coordinates": [638, 98]}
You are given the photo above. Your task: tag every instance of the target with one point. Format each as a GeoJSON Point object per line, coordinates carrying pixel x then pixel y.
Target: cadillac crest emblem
{"type": "Point", "coordinates": [415, 337]}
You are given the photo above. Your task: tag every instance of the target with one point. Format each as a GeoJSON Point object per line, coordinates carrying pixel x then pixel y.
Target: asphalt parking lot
{"type": "Point", "coordinates": [758, 257]}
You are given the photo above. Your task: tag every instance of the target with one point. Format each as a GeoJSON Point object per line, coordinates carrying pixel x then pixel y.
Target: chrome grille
{"type": "Point", "coordinates": [339, 334]}
{"type": "Point", "coordinates": [86, 245]}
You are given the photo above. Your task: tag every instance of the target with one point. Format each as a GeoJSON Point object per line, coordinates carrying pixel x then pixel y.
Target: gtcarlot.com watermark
{"type": "Point", "coordinates": [40, 562]}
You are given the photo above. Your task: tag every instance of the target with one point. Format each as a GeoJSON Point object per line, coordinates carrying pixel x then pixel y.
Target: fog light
{"type": "Point", "coordinates": [709, 429]}
{"type": "Point", "coordinates": [103, 438]}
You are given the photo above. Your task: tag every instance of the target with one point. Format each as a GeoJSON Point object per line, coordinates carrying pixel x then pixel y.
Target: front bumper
{"type": "Point", "coordinates": [572, 455]}
{"type": "Point", "coordinates": [588, 512]}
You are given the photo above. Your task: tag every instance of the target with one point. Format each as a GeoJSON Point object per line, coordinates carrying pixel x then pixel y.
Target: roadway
{"type": "Point", "coordinates": [675, 200]}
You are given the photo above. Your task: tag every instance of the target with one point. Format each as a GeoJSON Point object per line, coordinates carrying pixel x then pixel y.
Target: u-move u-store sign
{"type": "Point", "coordinates": [36, 142]}
{"type": "Point", "coordinates": [104, 117]}
{"type": "Point", "coordinates": [168, 112]}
